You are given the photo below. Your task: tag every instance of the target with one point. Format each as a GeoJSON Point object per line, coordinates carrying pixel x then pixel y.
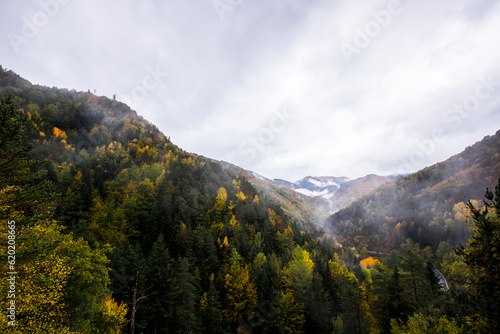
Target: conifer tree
{"type": "Point", "coordinates": [481, 256]}
{"type": "Point", "coordinates": [184, 298]}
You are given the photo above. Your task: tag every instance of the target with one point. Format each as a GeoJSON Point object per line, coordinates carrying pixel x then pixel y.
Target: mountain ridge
{"type": "Point", "coordinates": [427, 206]}
{"type": "Point", "coordinates": [206, 243]}
{"type": "Point", "coordinates": [333, 193]}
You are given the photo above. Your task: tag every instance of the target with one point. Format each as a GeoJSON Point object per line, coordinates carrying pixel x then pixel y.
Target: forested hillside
{"type": "Point", "coordinates": [118, 230]}
{"type": "Point", "coordinates": [191, 247]}
{"type": "Point", "coordinates": [427, 207]}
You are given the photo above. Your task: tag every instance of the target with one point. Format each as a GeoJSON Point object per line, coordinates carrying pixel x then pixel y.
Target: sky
{"type": "Point", "coordinates": [283, 88]}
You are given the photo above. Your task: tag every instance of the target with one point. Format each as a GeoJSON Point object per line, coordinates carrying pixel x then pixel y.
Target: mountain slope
{"type": "Point", "coordinates": [354, 189]}
{"type": "Point", "coordinates": [304, 209]}
{"type": "Point", "coordinates": [122, 231]}
{"type": "Point", "coordinates": [334, 193]}
{"type": "Point", "coordinates": [427, 206]}
{"type": "Point", "coordinates": [193, 236]}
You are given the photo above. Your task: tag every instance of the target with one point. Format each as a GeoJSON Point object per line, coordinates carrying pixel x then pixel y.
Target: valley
{"type": "Point", "coordinates": [119, 230]}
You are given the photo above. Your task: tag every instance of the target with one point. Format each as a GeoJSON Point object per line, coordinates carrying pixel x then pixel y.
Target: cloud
{"type": "Point", "coordinates": [365, 112]}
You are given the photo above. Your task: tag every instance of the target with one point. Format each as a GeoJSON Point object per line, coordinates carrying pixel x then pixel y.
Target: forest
{"type": "Point", "coordinates": [428, 207]}
{"type": "Point", "coordinates": [118, 230]}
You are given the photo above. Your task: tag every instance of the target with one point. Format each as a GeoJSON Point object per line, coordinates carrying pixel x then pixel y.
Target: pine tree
{"type": "Point", "coordinates": [184, 298]}
{"type": "Point", "coordinates": [210, 308]}
{"type": "Point", "coordinates": [482, 255]}
{"type": "Point", "coordinates": [23, 194]}
{"type": "Point", "coordinates": [287, 315]}
{"type": "Point", "coordinates": [159, 276]}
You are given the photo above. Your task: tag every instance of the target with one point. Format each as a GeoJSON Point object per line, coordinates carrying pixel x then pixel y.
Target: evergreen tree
{"type": "Point", "coordinates": [23, 193]}
{"type": "Point", "coordinates": [184, 298]}
{"type": "Point", "coordinates": [482, 255]}
{"type": "Point", "coordinates": [159, 277]}
{"type": "Point", "coordinates": [241, 293]}
{"type": "Point", "coordinates": [287, 315]}
{"type": "Point", "coordinates": [210, 308]}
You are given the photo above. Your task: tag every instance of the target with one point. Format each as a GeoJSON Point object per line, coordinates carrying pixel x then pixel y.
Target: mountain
{"type": "Point", "coordinates": [428, 206]}
{"type": "Point", "coordinates": [352, 190]}
{"type": "Point", "coordinates": [110, 212]}
{"type": "Point", "coordinates": [304, 209]}
{"type": "Point", "coordinates": [118, 230]}
{"type": "Point", "coordinates": [334, 193]}
{"type": "Point", "coordinates": [323, 186]}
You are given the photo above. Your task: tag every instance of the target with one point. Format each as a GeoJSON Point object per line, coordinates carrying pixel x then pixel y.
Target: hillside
{"type": "Point", "coordinates": [304, 209]}
{"type": "Point", "coordinates": [354, 189]}
{"type": "Point", "coordinates": [428, 206]}
{"type": "Point", "coordinates": [118, 230]}
{"type": "Point", "coordinates": [329, 194]}
{"type": "Point", "coordinates": [174, 226]}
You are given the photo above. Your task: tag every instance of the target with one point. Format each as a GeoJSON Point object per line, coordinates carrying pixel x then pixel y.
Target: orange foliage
{"type": "Point", "coordinates": [59, 133]}
{"type": "Point", "coordinates": [398, 227]}
{"type": "Point", "coordinates": [369, 262]}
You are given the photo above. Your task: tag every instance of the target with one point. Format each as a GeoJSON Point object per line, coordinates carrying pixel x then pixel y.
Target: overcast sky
{"type": "Point", "coordinates": [286, 88]}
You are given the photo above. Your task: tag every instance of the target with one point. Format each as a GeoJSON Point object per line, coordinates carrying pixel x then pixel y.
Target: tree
{"type": "Point", "coordinates": [390, 300]}
{"type": "Point", "coordinates": [414, 264]}
{"type": "Point", "coordinates": [481, 257]}
{"type": "Point", "coordinates": [356, 316]}
{"type": "Point", "coordinates": [241, 294]}
{"type": "Point", "coordinates": [72, 209]}
{"type": "Point", "coordinates": [184, 298]}
{"type": "Point", "coordinates": [23, 194]}
{"type": "Point", "coordinates": [109, 224]}
{"type": "Point", "coordinates": [210, 309]}
{"type": "Point", "coordinates": [13, 155]}
{"type": "Point", "coordinates": [298, 275]}
{"type": "Point", "coordinates": [287, 315]}
{"type": "Point", "coordinates": [63, 285]}
{"type": "Point", "coordinates": [430, 325]}
{"type": "Point", "coordinates": [158, 276]}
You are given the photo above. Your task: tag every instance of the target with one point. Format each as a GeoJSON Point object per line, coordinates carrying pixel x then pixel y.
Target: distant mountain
{"type": "Point", "coordinates": [324, 186]}
{"type": "Point", "coordinates": [428, 206]}
{"type": "Point", "coordinates": [304, 209]}
{"type": "Point", "coordinates": [334, 193]}
{"type": "Point", "coordinates": [352, 190]}
{"type": "Point", "coordinates": [397, 176]}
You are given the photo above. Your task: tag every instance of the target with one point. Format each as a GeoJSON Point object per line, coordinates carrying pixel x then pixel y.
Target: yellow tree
{"type": "Point", "coordinates": [356, 314]}
{"type": "Point", "coordinates": [60, 286]}
{"type": "Point", "coordinates": [241, 293]}
{"type": "Point", "coordinates": [298, 275]}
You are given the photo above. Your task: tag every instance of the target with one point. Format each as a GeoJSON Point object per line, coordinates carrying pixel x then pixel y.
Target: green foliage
{"type": "Point", "coordinates": [24, 195]}
{"type": "Point", "coordinates": [184, 298]}
{"type": "Point", "coordinates": [287, 315]}
{"type": "Point", "coordinates": [419, 324]}
{"type": "Point", "coordinates": [426, 207]}
{"type": "Point", "coordinates": [193, 246]}
{"type": "Point", "coordinates": [62, 282]}
{"type": "Point", "coordinates": [481, 257]}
